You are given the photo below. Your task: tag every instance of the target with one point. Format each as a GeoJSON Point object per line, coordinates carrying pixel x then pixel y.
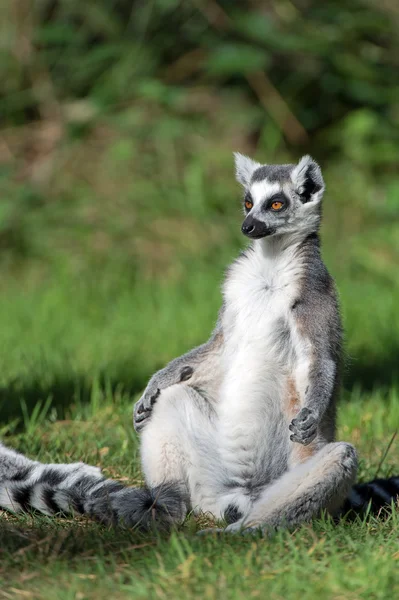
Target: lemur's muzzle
{"type": "Point", "coordinates": [255, 229]}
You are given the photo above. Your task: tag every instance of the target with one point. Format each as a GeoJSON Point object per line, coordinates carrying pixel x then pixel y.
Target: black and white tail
{"type": "Point", "coordinates": [27, 485]}
{"type": "Point", "coordinates": [372, 496]}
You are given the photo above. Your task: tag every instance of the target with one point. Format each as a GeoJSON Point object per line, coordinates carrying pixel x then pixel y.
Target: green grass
{"type": "Point", "coordinates": [98, 290]}
{"type": "Point", "coordinates": [74, 558]}
{"type": "Point", "coordinates": [118, 216]}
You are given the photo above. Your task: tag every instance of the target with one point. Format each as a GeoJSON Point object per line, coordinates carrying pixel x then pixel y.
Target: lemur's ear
{"type": "Point", "coordinates": [245, 167]}
{"type": "Point", "coordinates": [308, 180]}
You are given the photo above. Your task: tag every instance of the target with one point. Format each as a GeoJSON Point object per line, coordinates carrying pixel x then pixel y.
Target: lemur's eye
{"type": "Point", "coordinates": [248, 204]}
{"type": "Point", "coordinates": [277, 205]}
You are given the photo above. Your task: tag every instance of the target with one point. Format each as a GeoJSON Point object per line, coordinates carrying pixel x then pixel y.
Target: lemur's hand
{"type": "Point", "coordinates": [143, 407]}
{"type": "Point", "coordinates": [304, 427]}
{"type": "Point", "coordinates": [160, 381]}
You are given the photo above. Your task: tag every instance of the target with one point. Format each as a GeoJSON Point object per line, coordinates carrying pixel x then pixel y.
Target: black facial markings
{"type": "Point", "coordinates": [280, 197]}
{"type": "Point", "coordinates": [186, 373]}
{"type": "Point", "coordinates": [247, 198]}
{"type": "Point", "coordinates": [310, 186]}
{"type": "Point", "coordinates": [255, 229]}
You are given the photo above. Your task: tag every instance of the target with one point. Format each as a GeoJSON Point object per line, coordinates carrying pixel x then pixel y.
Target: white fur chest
{"type": "Point", "coordinates": [258, 292]}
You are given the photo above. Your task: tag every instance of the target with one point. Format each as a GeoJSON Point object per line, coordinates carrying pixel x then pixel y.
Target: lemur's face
{"type": "Point", "coordinates": [280, 199]}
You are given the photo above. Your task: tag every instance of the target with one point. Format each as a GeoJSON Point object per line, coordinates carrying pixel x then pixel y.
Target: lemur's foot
{"type": "Point", "coordinates": [143, 407]}
{"type": "Point", "coordinates": [304, 427]}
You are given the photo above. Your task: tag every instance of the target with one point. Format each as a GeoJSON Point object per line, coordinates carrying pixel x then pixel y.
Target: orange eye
{"type": "Point", "coordinates": [248, 204]}
{"type": "Point", "coordinates": [277, 205]}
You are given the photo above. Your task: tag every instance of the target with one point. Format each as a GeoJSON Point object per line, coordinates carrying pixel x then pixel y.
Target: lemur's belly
{"type": "Point", "coordinates": [257, 399]}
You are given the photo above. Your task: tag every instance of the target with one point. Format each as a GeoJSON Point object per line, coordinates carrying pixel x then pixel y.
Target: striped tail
{"type": "Point", "coordinates": [27, 485]}
{"type": "Point", "coordinates": [372, 496]}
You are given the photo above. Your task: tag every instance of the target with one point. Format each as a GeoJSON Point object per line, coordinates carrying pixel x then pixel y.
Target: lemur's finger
{"type": "Point", "coordinates": [304, 441]}
{"type": "Point", "coordinates": [139, 421]}
{"type": "Point", "coordinates": [150, 399]}
{"type": "Point", "coordinates": [302, 426]}
{"type": "Point", "coordinates": [304, 414]}
{"type": "Point", "coordinates": [141, 417]}
{"type": "Point", "coordinates": [154, 397]}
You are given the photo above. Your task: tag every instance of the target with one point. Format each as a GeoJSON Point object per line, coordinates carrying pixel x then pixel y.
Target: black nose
{"type": "Point", "coordinates": [247, 228]}
{"type": "Point", "coordinates": [255, 229]}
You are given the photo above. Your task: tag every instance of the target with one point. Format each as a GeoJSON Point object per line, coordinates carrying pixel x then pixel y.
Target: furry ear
{"type": "Point", "coordinates": [245, 167]}
{"type": "Point", "coordinates": [308, 180]}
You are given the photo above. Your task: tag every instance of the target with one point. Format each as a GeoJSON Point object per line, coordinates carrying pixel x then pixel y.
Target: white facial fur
{"type": "Point", "coordinates": [245, 168]}
{"type": "Point", "coordinates": [262, 190]}
{"type": "Point", "coordinates": [302, 184]}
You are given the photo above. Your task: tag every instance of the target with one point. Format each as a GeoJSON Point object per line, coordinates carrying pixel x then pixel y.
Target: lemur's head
{"type": "Point", "coordinates": [280, 198]}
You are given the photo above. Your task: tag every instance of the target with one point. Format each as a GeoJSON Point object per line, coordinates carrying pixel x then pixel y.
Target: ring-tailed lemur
{"type": "Point", "coordinates": [243, 426]}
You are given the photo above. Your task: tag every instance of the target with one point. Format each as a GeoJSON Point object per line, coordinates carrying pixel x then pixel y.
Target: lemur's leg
{"type": "Point", "coordinates": [322, 483]}
{"type": "Point", "coordinates": [178, 446]}
{"type": "Point", "coordinates": [200, 366]}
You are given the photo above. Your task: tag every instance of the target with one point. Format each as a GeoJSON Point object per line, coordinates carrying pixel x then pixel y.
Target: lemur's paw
{"type": "Point", "coordinates": [304, 427]}
{"type": "Point", "coordinates": [143, 407]}
{"type": "Point", "coordinates": [140, 419]}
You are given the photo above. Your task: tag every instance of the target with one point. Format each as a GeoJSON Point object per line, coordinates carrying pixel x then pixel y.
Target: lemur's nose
{"type": "Point", "coordinates": [247, 228]}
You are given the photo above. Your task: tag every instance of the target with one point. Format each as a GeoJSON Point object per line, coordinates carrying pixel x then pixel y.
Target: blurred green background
{"type": "Point", "coordinates": [119, 211]}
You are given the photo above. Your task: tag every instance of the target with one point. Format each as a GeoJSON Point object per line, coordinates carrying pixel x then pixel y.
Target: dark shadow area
{"type": "Point", "coordinates": [64, 390]}
{"type": "Point", "coordinates": [370, 371]}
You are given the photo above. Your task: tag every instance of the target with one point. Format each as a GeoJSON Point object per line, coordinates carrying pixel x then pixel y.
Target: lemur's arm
{"type": "Point", "coordinates": [199, 367]}
{"type": "Point", "coordinates": [319, 320]}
